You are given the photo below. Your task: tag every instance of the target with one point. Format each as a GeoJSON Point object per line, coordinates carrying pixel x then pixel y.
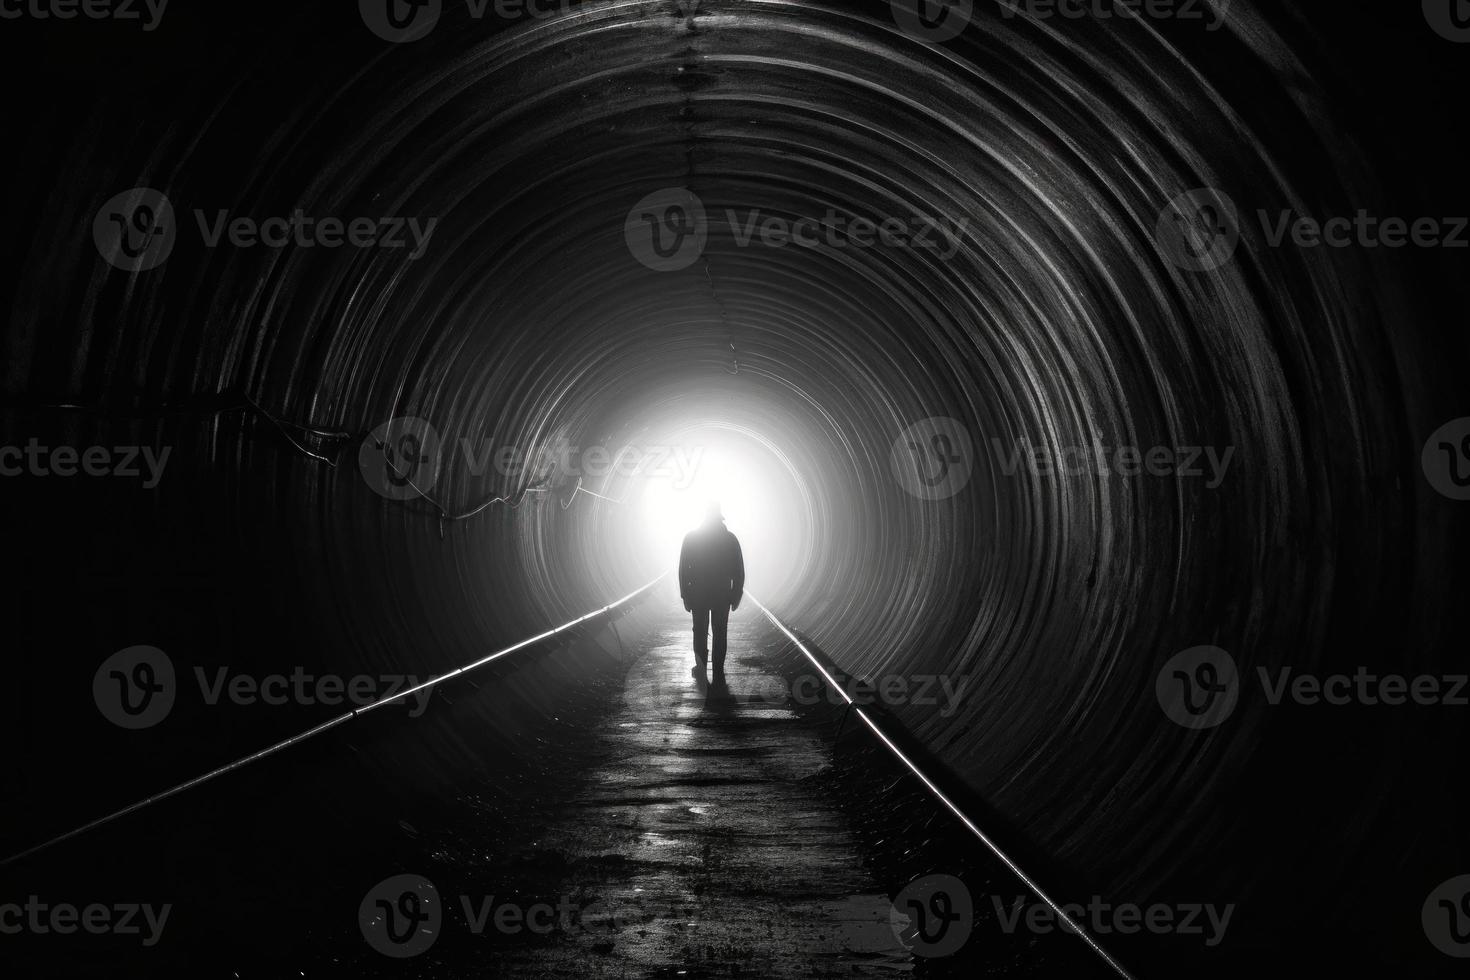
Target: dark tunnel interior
{"type": "Point", "coordinates": [1041, 314]}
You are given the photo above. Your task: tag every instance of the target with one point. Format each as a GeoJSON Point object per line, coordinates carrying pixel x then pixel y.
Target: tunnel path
{"type": "Point", "coordinates": [707, 849]}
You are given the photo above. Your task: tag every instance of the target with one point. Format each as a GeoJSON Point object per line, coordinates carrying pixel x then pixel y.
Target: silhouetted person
{"type": "Point", "coordinates": [711, 583]}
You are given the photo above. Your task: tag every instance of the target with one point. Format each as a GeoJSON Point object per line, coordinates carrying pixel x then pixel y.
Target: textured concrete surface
{"type": "Point", "coordinates": [701, 843]}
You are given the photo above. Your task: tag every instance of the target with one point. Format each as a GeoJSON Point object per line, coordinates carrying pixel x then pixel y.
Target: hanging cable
{"type": "Point", "coordinates": [329, 454]}
{"type": "Point", "coordinates": [709, 281]}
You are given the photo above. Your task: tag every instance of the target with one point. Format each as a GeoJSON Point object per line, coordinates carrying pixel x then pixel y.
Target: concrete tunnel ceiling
{"type": "Point", "coordinates": [1043, 151]}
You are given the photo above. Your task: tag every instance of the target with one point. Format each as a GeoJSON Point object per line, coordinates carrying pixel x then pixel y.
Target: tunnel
{"type": "Point", "coordinates": [894, 295]}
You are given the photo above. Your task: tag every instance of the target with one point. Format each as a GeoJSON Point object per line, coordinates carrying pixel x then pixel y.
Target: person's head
{"type": "Point", "coordinates": [712, 514]}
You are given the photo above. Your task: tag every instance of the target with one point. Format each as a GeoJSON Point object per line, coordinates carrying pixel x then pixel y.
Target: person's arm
{"type": "Point", "coordinates": [737, 573]}
{"type": "Point", "coordinates": [684, 568]}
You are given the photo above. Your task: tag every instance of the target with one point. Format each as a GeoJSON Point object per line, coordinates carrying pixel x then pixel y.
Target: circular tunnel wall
{"type": "Point", "coordinates": [1024, 294]}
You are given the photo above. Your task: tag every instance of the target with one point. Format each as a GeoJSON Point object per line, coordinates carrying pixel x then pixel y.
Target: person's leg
{"type": "Point", "coordinates": [701, 636]}
{"type": "Point", "coordinates": [719, 620]}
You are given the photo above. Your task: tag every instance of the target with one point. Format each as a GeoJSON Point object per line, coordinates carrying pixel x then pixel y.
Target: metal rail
{"type": "Point", "coordinates": [317, 730]}
{"type": "Point", "coordinates": [949, 804]}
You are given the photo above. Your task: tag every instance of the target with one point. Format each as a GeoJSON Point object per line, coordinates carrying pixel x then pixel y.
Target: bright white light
{"type": "Point", "coordinates": [763, 501]}
{"type": "Point", "coordinates": [671, 509]}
